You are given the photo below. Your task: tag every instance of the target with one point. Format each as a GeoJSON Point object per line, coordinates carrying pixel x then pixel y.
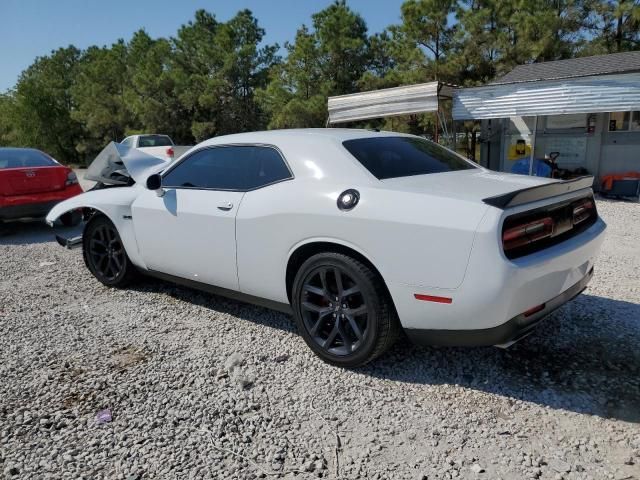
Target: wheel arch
{"type": "Point", "coordinates": [301, 252]}
{"type": "Point", "coordinates": [124, 228]}
{"type": "Point", "coordinates": [89, 213]}
{"type": "Point", "coordinates": [114, 204]}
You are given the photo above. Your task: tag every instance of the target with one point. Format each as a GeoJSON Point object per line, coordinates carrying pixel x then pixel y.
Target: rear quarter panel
{"type": "Point", "coordinates": [412, 238]}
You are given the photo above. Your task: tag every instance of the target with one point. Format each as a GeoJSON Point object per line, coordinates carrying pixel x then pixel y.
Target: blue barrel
{"type": "Point", "coordinates": [540, 169]}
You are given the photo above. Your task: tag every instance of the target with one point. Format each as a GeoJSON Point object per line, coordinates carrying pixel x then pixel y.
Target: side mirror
{"type": "Point", "coordinates": [154, 182]}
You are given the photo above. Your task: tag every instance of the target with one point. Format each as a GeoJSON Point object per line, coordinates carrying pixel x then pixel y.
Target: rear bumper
{"type": "Point", "coordinates": [503, 335]}
{"type": "Point", "coordinates": [35, 205]}
{"type": "Point", "coordinates": [496, 289]}
{"type": "Point", "coordinates": [28, 210]}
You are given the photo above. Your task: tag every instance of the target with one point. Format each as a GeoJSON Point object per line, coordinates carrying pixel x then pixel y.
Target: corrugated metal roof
{"type": "Point", "coordinates": [576, 67]}
{"type": "Point", "coordinates": [385, 102]}
{"type": "Point", "coordinates": [608, 93]}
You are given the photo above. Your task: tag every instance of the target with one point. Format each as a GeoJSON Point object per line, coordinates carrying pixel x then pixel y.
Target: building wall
{"type": "Point", "coordinates": [620, 152]}
{"type": "Point", "coordinates": [603, 152]}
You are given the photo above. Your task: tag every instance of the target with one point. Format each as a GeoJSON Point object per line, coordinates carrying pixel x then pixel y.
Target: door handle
{"type": "Point", "coordinates": [225, 206]}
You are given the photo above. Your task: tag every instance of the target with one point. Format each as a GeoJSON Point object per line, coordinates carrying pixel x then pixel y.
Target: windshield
{"type": "Point", "coordinates": [391, 157]}
{"type": "Point", "coordinates": [24, 157]}
{"type": "Point", "coordinates": [154, 141]}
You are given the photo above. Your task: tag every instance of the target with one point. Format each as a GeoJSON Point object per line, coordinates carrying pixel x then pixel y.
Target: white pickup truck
{"type": "Point", "coordinates": [160, 146]}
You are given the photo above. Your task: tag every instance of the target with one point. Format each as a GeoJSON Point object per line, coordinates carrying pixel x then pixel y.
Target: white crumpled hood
{"type": "Point", "coordinates": [117, 161]}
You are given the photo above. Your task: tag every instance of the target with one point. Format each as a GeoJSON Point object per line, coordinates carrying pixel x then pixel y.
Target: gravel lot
{"type": "Point", "coordinates": [203, 387]}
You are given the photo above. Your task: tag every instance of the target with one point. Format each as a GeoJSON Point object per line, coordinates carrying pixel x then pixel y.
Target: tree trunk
{"type": "Point", "coordinates": [619, 32]}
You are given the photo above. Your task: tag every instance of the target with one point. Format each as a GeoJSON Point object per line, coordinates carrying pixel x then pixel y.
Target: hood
{"type": "Point", "coordinates": [116, 164]}
{"type": "Point", "coordinates": [472, 185]}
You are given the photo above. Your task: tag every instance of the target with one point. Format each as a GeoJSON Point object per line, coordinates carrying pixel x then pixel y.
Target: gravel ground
{"type": "Point", "coordinates": [202, 387]}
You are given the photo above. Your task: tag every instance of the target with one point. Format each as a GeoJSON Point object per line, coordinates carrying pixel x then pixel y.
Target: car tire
{"type": "Point", "coordinates": [71, 219]}
{"type": "Point", "coordinates": [347, 323]}
{"type": "Point", "coordinates": [104, 253]}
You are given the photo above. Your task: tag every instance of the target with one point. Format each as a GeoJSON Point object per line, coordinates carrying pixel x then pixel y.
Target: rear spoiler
{"type": "Point", "coordinates": [539, 192]}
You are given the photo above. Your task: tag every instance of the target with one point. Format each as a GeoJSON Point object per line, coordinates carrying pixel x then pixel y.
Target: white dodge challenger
{"type": "Point", "coordinates": [359, 234]}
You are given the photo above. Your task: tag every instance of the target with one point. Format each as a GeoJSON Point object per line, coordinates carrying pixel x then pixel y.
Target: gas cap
{"type": "Point", "coordinates": [348, 199]}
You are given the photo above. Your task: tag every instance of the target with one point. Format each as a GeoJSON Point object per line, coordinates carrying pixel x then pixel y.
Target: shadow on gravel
{"type": "Point", "coordinates": [25, 232]}
{"type": "Point", "coordinates": [244, 311]}
{"type": "Point", "coordinates": [584, 358]}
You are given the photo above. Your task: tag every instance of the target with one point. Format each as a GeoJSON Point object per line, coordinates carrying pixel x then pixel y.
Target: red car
{"type": "Point", "coordinates": [31, 183]}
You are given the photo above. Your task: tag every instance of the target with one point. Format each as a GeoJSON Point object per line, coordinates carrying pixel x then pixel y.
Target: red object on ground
{"type": "Point", "coordinates": [31, 183]}
{"type": "Point", "coordinates": [607, 180]}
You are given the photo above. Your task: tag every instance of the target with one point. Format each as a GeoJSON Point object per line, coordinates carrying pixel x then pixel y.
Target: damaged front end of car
{"type": "Point", "coordinates": [115, 166]}
{"type": "Point", "coordinates": [120, 166]}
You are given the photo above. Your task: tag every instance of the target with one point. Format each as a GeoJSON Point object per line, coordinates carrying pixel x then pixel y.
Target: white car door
{"type": "Point", "coordinates": [190, 231]}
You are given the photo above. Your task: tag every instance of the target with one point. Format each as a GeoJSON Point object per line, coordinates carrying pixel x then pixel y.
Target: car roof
{"type": "Point", "coordinates": [310, 152]}
{"type": "Point", "coordinates": [17, 149]}
{"type": "Point", "coordinates": [336, 134]}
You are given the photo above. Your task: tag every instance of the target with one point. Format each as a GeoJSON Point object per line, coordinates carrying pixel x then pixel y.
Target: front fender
{"type": "Point", "coordinates": [115, 204]}
{"type": "Point", "coordinates": [108, 201]}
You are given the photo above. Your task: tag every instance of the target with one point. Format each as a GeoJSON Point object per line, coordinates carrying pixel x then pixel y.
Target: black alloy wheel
{"type": "Point", "coordinates": [343, 309]}
{"type": "Point", "coordinates": [334, 310]}
{"type": "Point", "coordinates": [104, 253]}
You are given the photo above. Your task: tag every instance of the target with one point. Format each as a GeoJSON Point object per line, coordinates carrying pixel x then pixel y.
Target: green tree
{"type": "Point", "coordinates": [216, 69]}
{"type": "Point", "coordinates": [614, 26]}
{"type": "Point", "coordinates": [393, 61]}
{"type": "Point", "coordinates": [245, 69]}
{"type": "Point", "coordinates": [341, 36]}
{"type": "Point", "coordinates": [214, 78]}
{"type": "Point", "coordinates": [152, 94]}
{"type": "Point", "coordinates": [479, 41]}
{"type": "Point", "coordinates": [42, 105]}
{"type": "Point", "coordinates": [425, 23]}
{"type": "Point", "coordinates": [329, 60]}
{"type": "Point", "coordinates": [99, 92]}
{"type": "Point", "coordinates": [7, 128]}
{"type": "Point", "coordinates": [296, 93]}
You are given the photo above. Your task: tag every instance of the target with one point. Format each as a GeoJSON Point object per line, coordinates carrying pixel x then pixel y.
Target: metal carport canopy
{"type": "Point", "coordinates": [386, 102]}
{"type": "Point", "coordinates": [601, 93]}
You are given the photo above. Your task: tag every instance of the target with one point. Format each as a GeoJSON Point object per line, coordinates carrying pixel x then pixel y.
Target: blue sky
{"type": "Point", "coordinates": [32, 28]}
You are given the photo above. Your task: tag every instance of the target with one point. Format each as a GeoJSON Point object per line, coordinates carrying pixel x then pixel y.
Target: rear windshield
{"type": "Point", "coordinates": [154, 141]}
{"type": "Point", "coordinates": [391, 157]}
{"type": "Point", "coordinates": [24, 157]}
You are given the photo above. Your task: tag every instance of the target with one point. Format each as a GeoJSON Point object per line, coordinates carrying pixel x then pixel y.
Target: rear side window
{"type": "Point", "coordinates": [238, 168]}
{"type": "Point", "coordinates": [24, 157]}
{"type": "Point", "coordinates": [154, 141]}
{"type": "Point", "coordinates": [391, 157]}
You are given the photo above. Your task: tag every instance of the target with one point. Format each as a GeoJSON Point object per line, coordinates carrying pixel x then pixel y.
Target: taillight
{"type": "Point", "coordinates": [582, 211]}
{"type": "Point", "coordinates": [72, 179]}
{"type": "Point", "coordinates": [170, 152]}
{"type": "Point", "coordinates": [535, 230]}
{"type": "Point", "coordinates": [527, 233]}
